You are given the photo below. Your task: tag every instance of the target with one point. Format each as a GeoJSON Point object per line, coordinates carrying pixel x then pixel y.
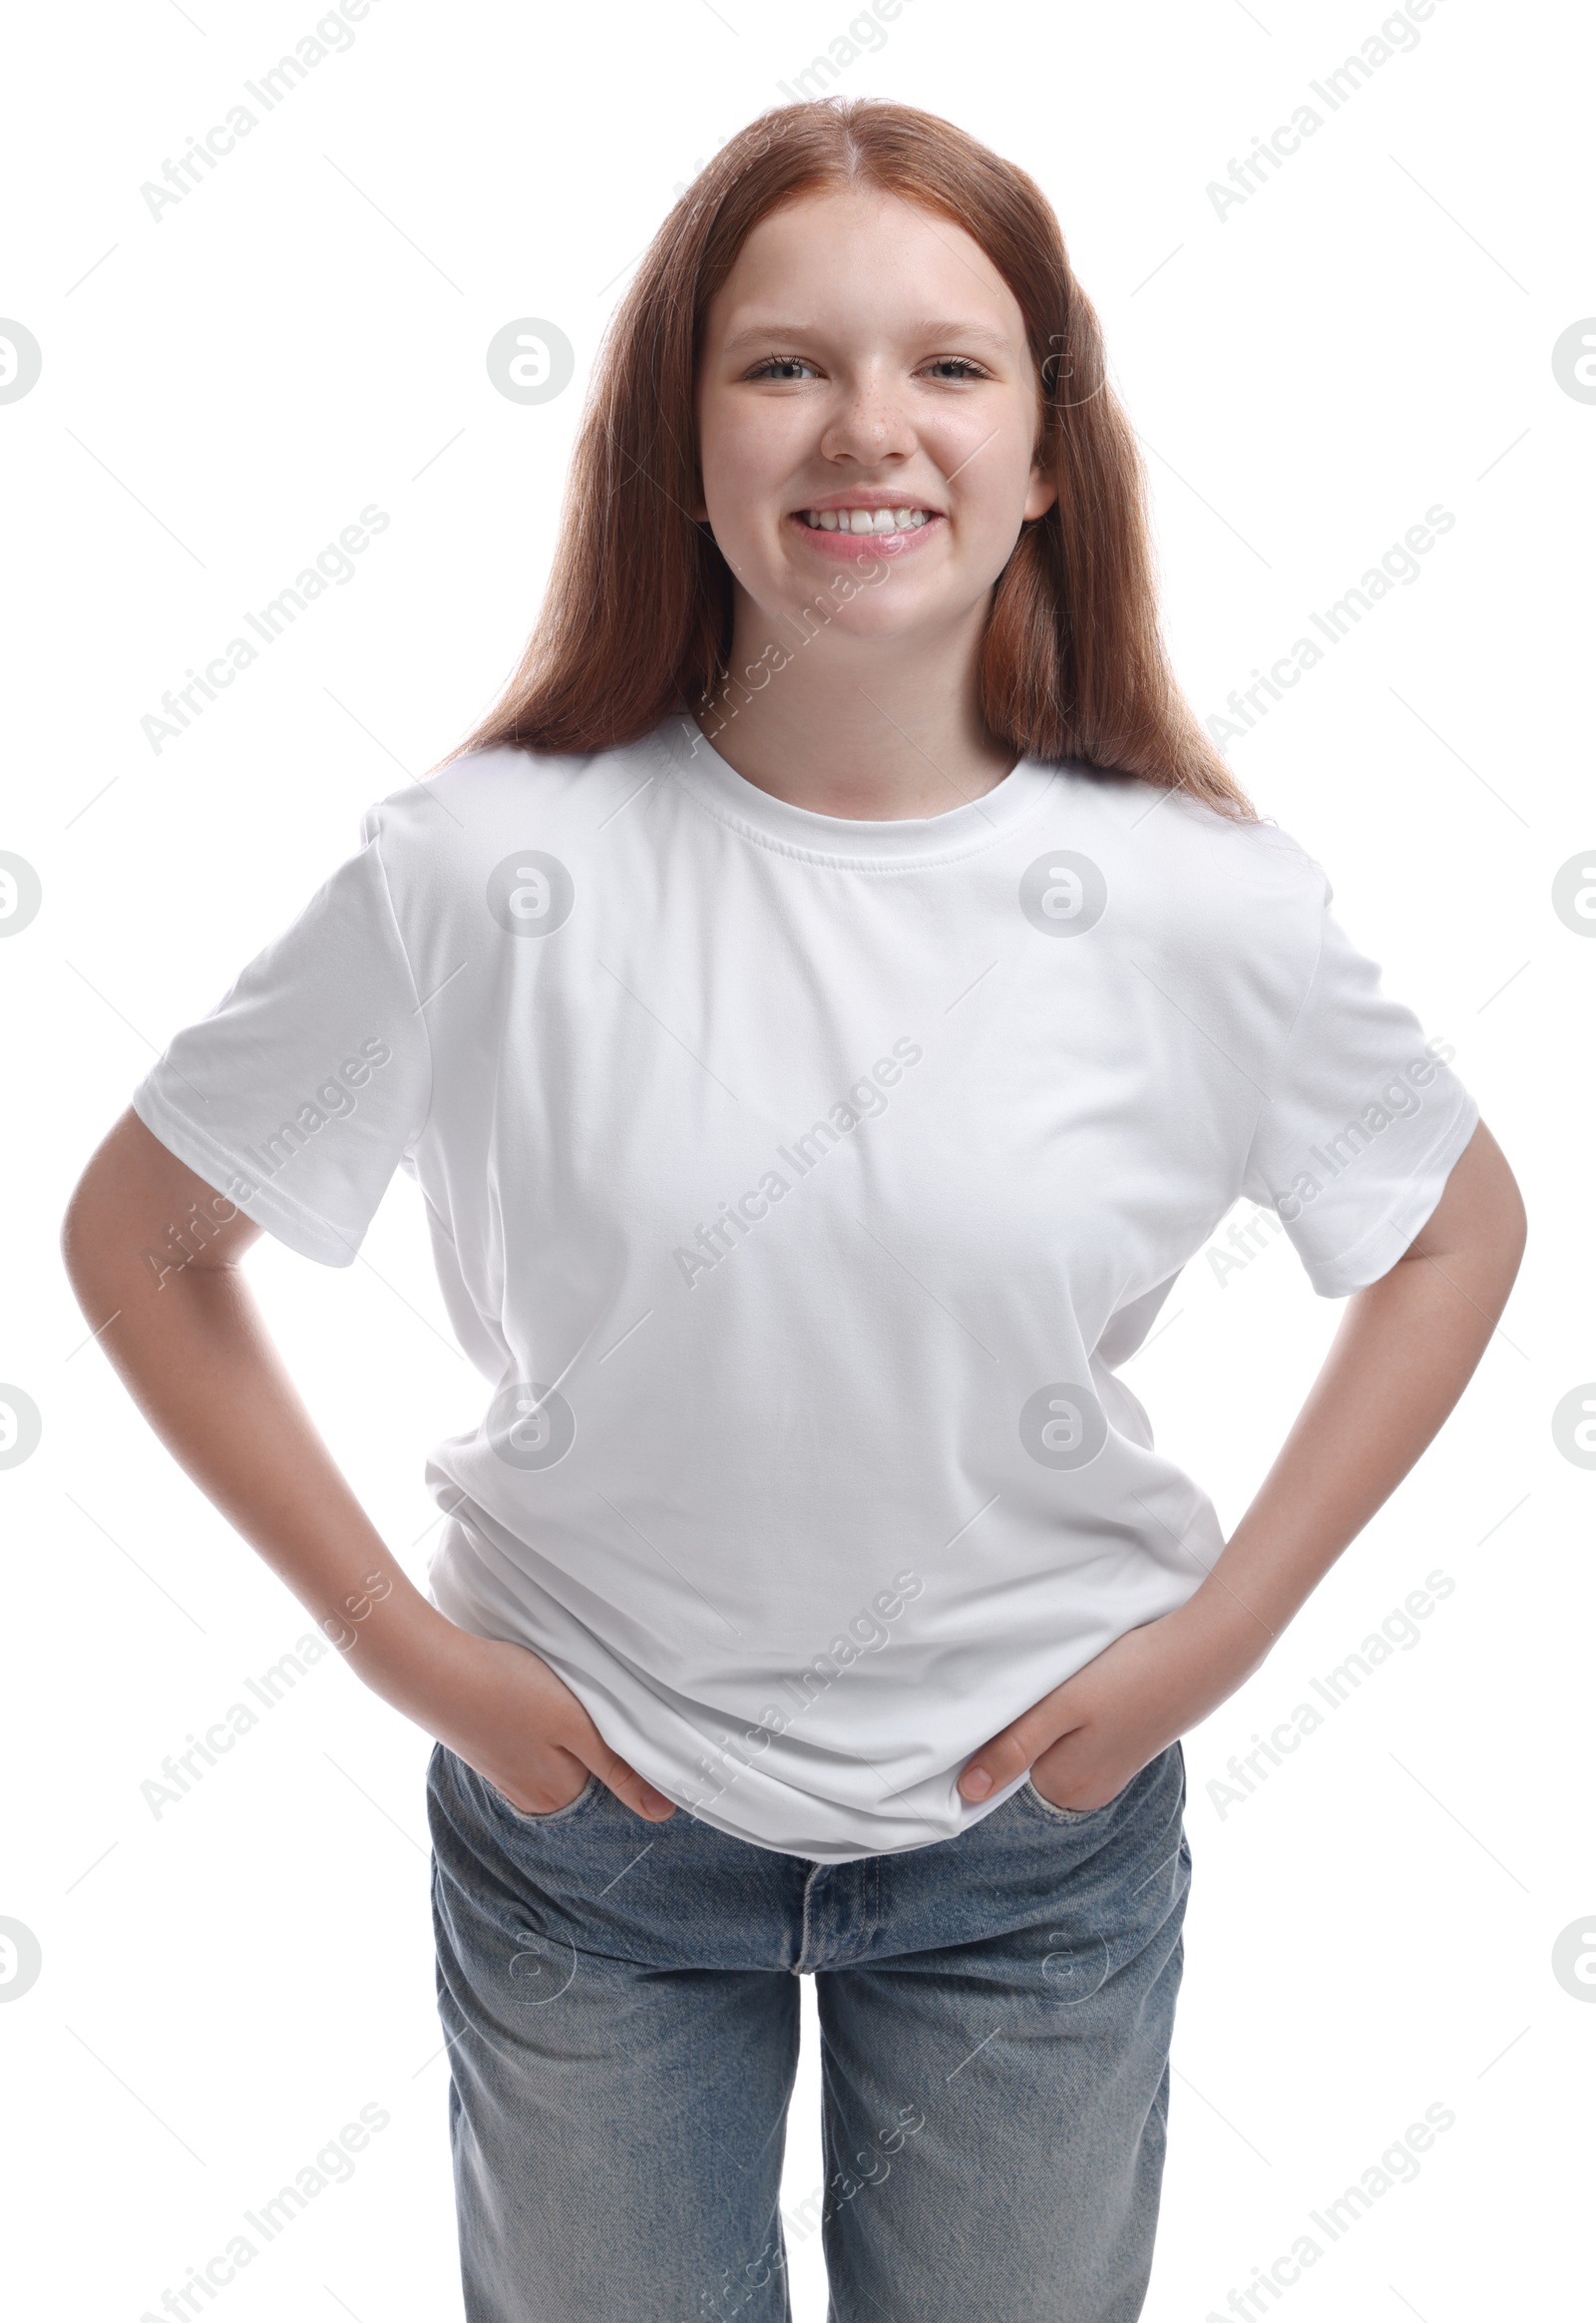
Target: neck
{"type": "Point", "coordinates": [869, 729]}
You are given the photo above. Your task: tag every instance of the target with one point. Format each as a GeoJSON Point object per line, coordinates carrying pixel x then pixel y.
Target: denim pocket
{"type": "Point", "coordinates": [555, 1814]}
{"type": "Point", "coordinates": [1068, 1814]}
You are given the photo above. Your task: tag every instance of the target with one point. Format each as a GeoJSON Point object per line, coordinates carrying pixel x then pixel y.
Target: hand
{"type": "Point", "coordinates": [1087, 1740]}
{"type": "Point", "coordinates": [504, 1711]}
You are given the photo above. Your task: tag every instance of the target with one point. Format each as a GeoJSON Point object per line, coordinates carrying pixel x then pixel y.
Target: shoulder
{"type": "Point", "coordinates": [483, 789]}
{"type": "Point", "coordinates": [1172, 860]}
{"type": "Point", "coordinates": [457, 824]}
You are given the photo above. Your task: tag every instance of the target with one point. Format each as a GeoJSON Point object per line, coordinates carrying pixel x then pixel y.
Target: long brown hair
{"type": "Point", "coordinates": [637, 617]}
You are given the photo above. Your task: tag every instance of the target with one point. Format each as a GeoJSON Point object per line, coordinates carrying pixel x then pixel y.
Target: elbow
{"type": "Point", "coordinates": [1508, 1218]}
{"type": "Point", "coordinates": [1497, 1224]}
{"type": "Point", "coordinates": [82, 1237]}
{"type": "Point", "coordinates": [100, 1220]}
{"type": "Point", "coordinates": [1515, 1226]}
{"type": "Point", "coordinates": [1478, 1229]}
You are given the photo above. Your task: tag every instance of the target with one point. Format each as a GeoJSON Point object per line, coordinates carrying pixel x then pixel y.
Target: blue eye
{"type": "Point", "coordinates": [780, 366]}
{"type": "Point", "coordinates": [793, 367]}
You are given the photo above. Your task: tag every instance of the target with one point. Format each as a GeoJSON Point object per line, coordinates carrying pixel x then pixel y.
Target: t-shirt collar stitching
{"type": "Point", "coordinates": [672, 757]}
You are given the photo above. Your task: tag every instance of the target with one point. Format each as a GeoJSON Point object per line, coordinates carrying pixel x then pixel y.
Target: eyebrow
{"type": "Point", "coordinates": [932, 328]}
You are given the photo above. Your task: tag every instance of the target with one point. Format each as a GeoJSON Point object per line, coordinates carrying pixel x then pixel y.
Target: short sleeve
{"type": "Point", "coordinates": [1361, 1127]}
{"type": "Point", "coordinates": [304, 1089]}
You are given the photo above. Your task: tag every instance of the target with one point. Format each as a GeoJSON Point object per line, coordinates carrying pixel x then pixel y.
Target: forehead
{"type": "Point", "coordinates": [849, 252]}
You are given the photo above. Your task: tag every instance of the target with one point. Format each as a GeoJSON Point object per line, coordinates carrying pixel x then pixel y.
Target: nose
{"type": "Point", "coordinates": [869, 422]}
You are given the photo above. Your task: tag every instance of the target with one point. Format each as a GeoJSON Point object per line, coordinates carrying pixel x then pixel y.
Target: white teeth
{"type": "Point", "coordinates": [866, 519]}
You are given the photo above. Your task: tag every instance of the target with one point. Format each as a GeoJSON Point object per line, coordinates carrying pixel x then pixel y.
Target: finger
{"type": "Point", "coordinates": [584, 1740]}
{"type": "Point", "coordinates": [630, 1787]}
{"type": "Point", "coordinates": [1005, 1758]}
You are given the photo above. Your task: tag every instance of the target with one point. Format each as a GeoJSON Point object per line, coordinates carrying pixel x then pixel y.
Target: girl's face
{"type": "Point", "coordinates": [867, 405]}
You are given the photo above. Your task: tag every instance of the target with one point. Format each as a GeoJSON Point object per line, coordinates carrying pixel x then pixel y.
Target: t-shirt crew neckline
{"type": "Point", "coordinates": [892, 845]}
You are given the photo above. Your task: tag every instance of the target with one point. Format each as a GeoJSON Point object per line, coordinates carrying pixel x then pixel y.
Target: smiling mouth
{"type": "Point", "coordinates": [865, 519]}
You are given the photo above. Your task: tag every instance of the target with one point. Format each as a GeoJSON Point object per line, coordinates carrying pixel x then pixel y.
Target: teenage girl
{"type": "Point", "coordinates": [822, 1008]}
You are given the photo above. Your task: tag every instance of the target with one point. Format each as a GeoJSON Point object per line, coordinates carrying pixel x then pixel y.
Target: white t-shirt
{"type": "Point", "coordinates": [797, 1185]}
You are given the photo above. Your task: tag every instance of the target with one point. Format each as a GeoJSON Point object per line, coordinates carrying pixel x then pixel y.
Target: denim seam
{"type": "Point", "coordinates": [803, 1931]}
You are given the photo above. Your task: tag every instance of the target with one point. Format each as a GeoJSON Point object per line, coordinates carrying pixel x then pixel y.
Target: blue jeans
{"type": "Point", "coordinates": [620, 2002]}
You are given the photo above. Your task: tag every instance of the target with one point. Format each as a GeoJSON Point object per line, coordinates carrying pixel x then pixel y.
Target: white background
{"type": "Point", "coordinates": [224, 389]}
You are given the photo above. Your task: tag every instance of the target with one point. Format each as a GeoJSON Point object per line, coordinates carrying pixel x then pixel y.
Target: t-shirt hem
{"type": "Point", "coordinates": [1377, 1251]}
{"type": "Point", "coordinates": [304, 1231]}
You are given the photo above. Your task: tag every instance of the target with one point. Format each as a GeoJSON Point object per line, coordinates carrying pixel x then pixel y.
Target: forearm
{"type": "Point", "coordinates": [1403, 1356]}
{"type": "Point", "coordinates": [192, 1348]}
{"type": "Point", "coordinates": [193, 1351]}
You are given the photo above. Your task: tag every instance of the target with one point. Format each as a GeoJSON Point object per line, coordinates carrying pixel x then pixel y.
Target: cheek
{"type": "Point", "coordinates": [990, 518]}
{"type": "Point", "coordinates": [990, 463]}
{"type": "Point", "coordinates": [746, 455]}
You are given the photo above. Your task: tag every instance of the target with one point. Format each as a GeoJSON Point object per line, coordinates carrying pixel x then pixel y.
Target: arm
{"type": "Point", "coordinates": [190, 1343]}
{"type": "Point", "coordinates": [1405, 1350]}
